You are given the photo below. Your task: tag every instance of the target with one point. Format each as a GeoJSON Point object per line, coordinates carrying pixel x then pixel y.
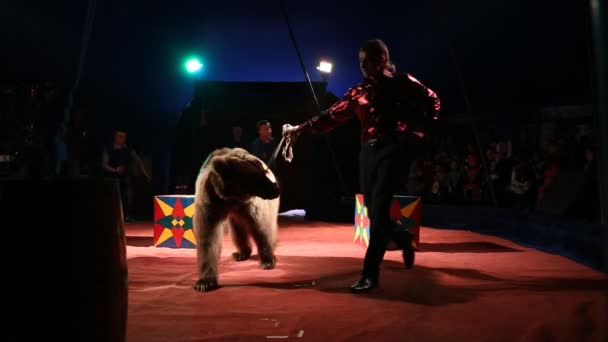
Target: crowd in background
{"type": "Point", "coordinates": [517, 172]}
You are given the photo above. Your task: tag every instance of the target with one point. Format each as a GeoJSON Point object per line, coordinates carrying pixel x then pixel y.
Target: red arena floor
{"type": "Point", "coordinates": [464, 287]}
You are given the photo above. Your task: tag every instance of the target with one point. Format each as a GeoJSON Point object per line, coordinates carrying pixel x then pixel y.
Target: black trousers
{"type": "Point", "coordinates": [380, 166]}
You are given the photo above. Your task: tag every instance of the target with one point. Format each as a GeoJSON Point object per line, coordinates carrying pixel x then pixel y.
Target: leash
{"type": "Point", "coordinates": [273, 158]}
{"type": "Point", "coordinates": [287, 150]}
{"type": "Point", "coordinates": [289, 141]}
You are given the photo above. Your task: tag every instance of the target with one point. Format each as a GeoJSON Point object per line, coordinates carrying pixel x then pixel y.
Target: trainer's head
{"type": "Point", "coordinates": [374, 59]}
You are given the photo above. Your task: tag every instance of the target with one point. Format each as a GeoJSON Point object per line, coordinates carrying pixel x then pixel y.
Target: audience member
{"type": "Point", "coordinates": [117, 161]}
{"type": "Point", "coordinates": [264, 145]}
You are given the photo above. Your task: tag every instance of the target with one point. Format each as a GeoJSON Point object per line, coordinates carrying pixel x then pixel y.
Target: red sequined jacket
{"type": "Point", "coordinates": [391, 106]}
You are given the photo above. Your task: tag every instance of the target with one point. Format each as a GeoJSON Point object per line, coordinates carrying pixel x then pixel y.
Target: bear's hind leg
{"type": "Point", "coordinates": [209, 229]}
{"type": "Point", "coordinates": [253, 220]}
{"type": "Point", "coordinates": [240, 237]}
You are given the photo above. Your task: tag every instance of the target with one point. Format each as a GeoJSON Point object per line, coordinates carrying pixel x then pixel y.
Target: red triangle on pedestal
{"type": "Point", "coordinates": [158, 231]}
{"type": "Point", "coordinates": [158, 212]}
{"type": "Point", "coordinates": [416, 215]}
{"type": "Point", "coordinates": [178, 210]}
{"type": "Point", "coordinates": [395, 209]}
{"type": "Point", "coordinates": [178, 233]}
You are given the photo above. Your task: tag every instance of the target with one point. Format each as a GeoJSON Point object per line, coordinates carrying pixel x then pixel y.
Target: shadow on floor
{"type": "Point", "coordinates": [420, 285]}
{"type": "Point", "coordinates": [140, 241]}
{"type": "Point", "coordinates": [466, 247]}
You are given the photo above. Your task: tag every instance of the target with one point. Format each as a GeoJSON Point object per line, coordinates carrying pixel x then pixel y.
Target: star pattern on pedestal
{"type": "Point", "coordinates": [361, 222]}
{"type": "Point", "coordinates": [173, 221]}
{"type": "Point", "coordinates": [404, 211]}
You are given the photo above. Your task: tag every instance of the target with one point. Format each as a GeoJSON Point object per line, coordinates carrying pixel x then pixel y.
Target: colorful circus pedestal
{"type": "Point", "coordinates": [405, 210]}
{"type": "Point", "coordinates": [173, 226]}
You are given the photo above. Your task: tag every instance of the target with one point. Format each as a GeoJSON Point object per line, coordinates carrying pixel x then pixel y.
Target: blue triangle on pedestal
{"type": "Point", "coordinates": [169, 200]}
{"type": "Point", "coordinates": [186, 201]}
{"type": "Point", "coordinates": [187, 244]}
{"type": "Point", "coordinates": [170, 243]}
{"type": "Point", "coordinates": [407, 222]}
{"type": "Point", "coordinates": [406, 200]}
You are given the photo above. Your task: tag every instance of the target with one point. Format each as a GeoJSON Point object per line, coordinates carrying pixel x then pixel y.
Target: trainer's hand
{"type": "Point", "coordinates": [289, 130]}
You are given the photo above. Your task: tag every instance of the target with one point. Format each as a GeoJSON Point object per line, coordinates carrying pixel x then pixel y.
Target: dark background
{"type": "Point", "coordinates": [514, 57]}
{"type": "Point", "coordinates": [511, 53]}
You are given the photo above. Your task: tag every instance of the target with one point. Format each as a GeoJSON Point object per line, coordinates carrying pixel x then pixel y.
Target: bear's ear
{"type": "Point", "coordinates": [223, 165]}
{"type": "Point", "coordinates": [216, 183]}
{"type": "Point", "coordinates": [241, 151]}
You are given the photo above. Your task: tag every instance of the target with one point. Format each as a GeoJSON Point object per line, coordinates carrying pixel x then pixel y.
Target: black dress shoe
{"type": "Point", "coordinates": [365, 284]}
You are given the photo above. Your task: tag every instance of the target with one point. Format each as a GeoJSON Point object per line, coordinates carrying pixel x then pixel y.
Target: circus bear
{"type": "Point", "coordinates": [236, 190]}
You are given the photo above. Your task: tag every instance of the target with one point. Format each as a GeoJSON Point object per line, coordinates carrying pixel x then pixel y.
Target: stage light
{"type": "Point", "coordinates": [324, 67]}
{"type": "Point", "coordinates": [193, 65]}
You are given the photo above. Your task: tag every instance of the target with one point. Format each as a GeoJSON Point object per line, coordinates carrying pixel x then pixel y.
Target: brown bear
{"type": "Point", "coordinates": [236, 190]}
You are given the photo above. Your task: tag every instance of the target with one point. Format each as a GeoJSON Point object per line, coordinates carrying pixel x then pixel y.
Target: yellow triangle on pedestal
{"type": "Point", "coordinates": [408, 209]}
{"type": "Point", "coordinates": [167, 209]}
{"type": "Point", "coordinates": [166, 235]}
{"type": "Point", "coordinates": [189, 210]}
{"type": "Point", "coordinates": [189, 235]}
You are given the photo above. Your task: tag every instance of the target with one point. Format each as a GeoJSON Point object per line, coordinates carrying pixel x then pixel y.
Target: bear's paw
{"type": "Point", "coordinates": [206, 285]}
{"type": "Point", "coordinates": [240, 256]}
{"type": "Point", "coordinates": [268, 263]}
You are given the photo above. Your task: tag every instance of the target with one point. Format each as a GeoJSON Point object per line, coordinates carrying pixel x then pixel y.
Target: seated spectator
{"type": "Point", "coordinates": [472, 187]}
{"type": "Point", "coordinates": [519, 189]}
{"type": "Point", "coordinates": [550, 173]}
{"type": "Point", "coordinates": [586, 206]}
{"type": "Point", "coordinates": [439, 188]}
{"type": "Point", "coordinates": [455, 179]}
{"type": "Point", "coordinates": [547, 168]}
{"type": "Point", "coordinates": [237, 137]}
{"type": "Point", "coordinates": [500, 174]}
{"type": "Point", "coordinates": [416, 185]}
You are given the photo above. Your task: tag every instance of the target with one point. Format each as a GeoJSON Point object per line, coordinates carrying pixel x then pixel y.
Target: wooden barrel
{"type": "Point", "coordinates": [65, 259]}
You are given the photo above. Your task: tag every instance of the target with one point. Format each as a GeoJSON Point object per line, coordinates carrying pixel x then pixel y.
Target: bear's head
{"type": "Point", "coordinates": [239, 175]}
